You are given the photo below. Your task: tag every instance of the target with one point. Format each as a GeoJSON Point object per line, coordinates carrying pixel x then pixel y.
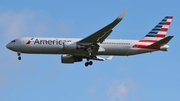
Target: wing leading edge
{"type": "Point", "coordinates": [103, 33]}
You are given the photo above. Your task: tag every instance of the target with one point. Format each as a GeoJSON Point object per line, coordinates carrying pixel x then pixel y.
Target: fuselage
{"type": "Point", "coordinates": [55, 46]}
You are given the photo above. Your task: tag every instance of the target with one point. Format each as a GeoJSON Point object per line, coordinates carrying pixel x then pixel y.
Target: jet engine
{"type": "Point", "coordinates": [70, 59]}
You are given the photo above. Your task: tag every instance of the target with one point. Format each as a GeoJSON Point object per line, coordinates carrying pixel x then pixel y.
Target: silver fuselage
{"type": "Point", "coordinates": [117, 47]}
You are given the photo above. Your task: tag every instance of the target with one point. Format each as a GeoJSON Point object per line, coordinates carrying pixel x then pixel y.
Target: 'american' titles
{"type": "Point", "coordinates": [50, 42]}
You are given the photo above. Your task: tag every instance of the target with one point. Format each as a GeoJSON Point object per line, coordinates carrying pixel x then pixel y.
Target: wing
{"type": "Point", "coordinates": [90, 45]}
{"type": "Point", "coordinates": [103, 33]}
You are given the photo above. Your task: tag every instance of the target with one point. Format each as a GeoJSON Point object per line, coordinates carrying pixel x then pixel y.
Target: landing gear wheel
{"type": "Point", "coordinates": [19, 55]}
{"type": "Point", "coordinates": [90, 63]}
{"type": "Point", "coordinates": [86, 64]}
{"type": "Point", "coordinates": [19, 58]}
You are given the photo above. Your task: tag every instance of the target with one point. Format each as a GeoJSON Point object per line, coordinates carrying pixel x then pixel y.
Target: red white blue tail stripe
{"type": "Point", "coordinates": [156, 34]}
{"type": "Point", "coordinates": [160, 30]}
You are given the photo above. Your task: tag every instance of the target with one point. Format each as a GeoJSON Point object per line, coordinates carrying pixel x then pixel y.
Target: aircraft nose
{"type": "Point", "coordinates": [9, 46]}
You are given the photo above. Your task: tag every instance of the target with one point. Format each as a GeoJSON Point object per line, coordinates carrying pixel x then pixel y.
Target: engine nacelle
{"type": "Point", "coordinates": [69, 46]}
{"type": "Point", "coordinates": [69, 59]}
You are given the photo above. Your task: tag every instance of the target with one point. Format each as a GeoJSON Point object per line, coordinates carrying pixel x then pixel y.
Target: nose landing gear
{"type": "Point", "coordinates": [19, 58]}
{"type": "Point", "coordinates": [19, 55]}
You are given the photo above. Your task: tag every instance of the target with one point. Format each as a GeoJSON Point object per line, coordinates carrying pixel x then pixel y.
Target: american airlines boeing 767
{"type": "Point", "coordinates": [77, 49]}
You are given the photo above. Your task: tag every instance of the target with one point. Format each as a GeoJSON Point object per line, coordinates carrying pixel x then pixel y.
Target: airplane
{"type": "Point", "coordinates": [90, 48]}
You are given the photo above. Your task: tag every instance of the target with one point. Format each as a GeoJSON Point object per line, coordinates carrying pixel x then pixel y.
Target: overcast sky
{"type": "Point", "coordinates": [146, 77]}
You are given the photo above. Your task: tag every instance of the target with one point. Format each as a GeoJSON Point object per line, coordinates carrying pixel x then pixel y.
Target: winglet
{"type": "Point", "coordinates": [120, 17]}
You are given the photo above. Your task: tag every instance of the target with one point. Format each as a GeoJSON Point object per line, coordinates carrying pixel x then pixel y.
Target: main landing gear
{"type": "Point", "coordinates": [88, 63]}
{"type": "Point", "coordinates": [89, 56]}
{"type": "Point", "coordinates": [19, 55]}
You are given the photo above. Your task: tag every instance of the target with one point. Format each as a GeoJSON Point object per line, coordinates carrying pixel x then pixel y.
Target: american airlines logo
{"type": "Point", "coordinates": [47, 42]}
{"type": "Point", "coordinates": [29, 41]}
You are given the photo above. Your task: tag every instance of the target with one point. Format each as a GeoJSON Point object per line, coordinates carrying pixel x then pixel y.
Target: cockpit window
{"type": "Point", "coordinates": [13, 41]}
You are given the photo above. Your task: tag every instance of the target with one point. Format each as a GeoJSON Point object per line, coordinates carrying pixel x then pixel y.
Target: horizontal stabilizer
{"type": "Point", "coordinates": [162, 41]}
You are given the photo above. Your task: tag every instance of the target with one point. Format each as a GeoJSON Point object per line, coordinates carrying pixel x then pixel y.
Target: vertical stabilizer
{"type": "Point", "coordinates": [155, 35]}
{"type": "Point", "coordinates": [158, 32]}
